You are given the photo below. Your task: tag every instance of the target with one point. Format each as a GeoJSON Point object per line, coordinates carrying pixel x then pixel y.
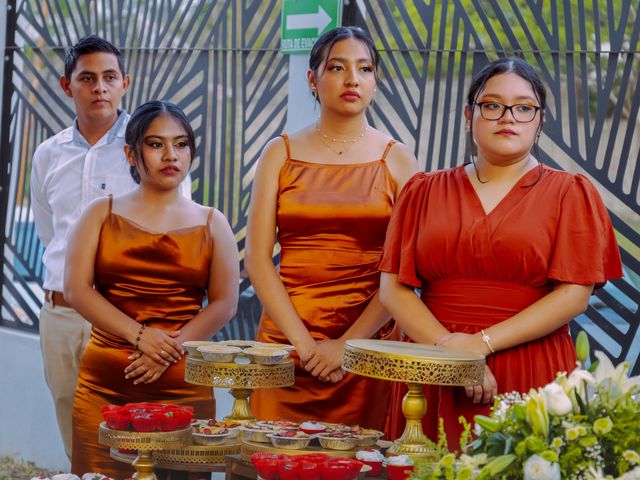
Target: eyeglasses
{"type": "Point", "coordinates": [521, 113]}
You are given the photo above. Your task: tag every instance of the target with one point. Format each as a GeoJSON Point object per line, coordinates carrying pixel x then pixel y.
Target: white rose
{"type": "Point", "coordinates": [557, 401]}
{"type": "Point", "coordinates": [65, 476]}
{"type": "Point", "coordinates": [632, 475]}
{"type": "Point", "coordinates": [537, 468]}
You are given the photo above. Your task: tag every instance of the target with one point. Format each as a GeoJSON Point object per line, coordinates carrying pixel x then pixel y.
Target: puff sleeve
{"type": "Point", "coordinates": [399, 251]}
{"type": "Point", "coordinates": [585, 251]}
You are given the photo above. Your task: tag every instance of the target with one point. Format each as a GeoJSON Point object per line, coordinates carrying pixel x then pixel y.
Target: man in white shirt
{"type": "Point", "coordinates": [69, 170]}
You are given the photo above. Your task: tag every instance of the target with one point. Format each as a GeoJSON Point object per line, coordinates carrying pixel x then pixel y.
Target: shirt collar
{"type": "Point", "coordinates": [116, 131]}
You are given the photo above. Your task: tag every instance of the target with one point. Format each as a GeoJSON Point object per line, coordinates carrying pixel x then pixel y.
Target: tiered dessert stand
{"type": "Point", "coordinates": [416, 365]}
{"type": "Point", "coordinates": [242, 379]}
{"type": "Point", "coordinates": [145, 443]}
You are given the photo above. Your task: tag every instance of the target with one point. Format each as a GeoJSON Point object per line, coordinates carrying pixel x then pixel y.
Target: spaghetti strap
{"type": "Point", "coordinates": [285, 137]}
{"type": "Point", "coordinates": [386, 150]}
{"type": "Point", "coordinates": [110, 202]}
{"type": "Point", "coordinates": [210, 217]}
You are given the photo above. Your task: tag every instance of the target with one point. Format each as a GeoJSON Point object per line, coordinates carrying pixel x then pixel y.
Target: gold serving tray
{"type": "Point", "coordinates": [198, 454]}
{"type": "Point", "coordinates": [412, 362]}
{"type": "Point", "coordinates": [235, 375]}
{"type": "Point", "coordinates": [144, 441]}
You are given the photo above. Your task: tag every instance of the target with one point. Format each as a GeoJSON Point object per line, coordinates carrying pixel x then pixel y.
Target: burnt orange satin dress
{"type": "Point", "coordinates": [476, 269]}
{"type": "Point", "coordinates": [331, 223]}
{"type": "Point", "coordinates": [158, 279]}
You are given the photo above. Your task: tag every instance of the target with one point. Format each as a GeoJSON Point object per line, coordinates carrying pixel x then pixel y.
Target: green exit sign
{"type": "Point", "coordinates": [303, 21]}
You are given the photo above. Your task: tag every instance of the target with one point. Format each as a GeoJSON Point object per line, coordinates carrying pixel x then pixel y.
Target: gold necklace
{"type": "Point", "coordinates": [350, 141]}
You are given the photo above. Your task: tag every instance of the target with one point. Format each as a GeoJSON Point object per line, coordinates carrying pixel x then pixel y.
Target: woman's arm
{"type": "Point", "coordinates": [541, 318]}
{"type": "Point", "coordinates": [422, 326]}
{"type": "Point", "coordinates": [402, 165]}
{"type": "Point", "coordinates": [261, 230]}
{"type": "Point", "coordinates": [222, 300]}
{"type": "Point", "coordinates": [407, 309]}
{"type": "Point", "coordinates": [222, 291]}
{"type": "Point", "coordinates": [79, 292]}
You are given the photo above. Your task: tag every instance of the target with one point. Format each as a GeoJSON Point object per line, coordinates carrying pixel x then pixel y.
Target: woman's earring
{"type": "Point", "coordinates": [314, 92]}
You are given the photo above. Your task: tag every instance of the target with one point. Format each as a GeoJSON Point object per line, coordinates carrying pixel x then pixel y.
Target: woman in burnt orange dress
{"type": "Point", "coordinates": [505, 249]}
{"type": "Point", "coordinates": [326, 191]}
{"type": "Point", "coordinates": [152, 256]}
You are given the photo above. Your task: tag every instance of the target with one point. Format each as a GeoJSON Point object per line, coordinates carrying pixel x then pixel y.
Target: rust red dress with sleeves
{"type": "Point", "coordinates": [475, 270]}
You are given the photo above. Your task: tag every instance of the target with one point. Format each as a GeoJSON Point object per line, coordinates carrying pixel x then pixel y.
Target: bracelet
{"type": "Point", "coordinates": [485, 339]}
{"type": "Point", "coordinates": [142, 327]}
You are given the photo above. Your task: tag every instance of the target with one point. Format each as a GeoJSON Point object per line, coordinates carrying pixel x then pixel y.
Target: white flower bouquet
{"type": "Point", "coordinates": [583, 426]}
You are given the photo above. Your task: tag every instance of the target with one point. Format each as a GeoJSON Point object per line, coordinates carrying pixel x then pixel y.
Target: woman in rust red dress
{"type": "Point", "coordinates": [327, 191]}
{"type": "Point", "coordinates": [152, 256]}
{"type": "Point", "coordinates": [505, 249]}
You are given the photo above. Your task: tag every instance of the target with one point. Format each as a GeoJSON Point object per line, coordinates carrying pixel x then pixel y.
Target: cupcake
{"type": "Point", "coordinates": [373, 458]}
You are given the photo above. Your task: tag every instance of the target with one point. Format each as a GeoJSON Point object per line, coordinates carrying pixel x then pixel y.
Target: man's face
{"type": "Point", "coordinates": [96, 86]}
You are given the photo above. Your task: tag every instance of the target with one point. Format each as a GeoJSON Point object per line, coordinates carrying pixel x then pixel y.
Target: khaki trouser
{"type": "Point", "coordinates": [64, 334]}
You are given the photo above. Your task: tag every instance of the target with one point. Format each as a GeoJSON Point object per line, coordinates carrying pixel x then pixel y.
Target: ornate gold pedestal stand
{"type": "Point", "coordinates": [144, 443]}
{"type": "Point", "coordinates": [416, 365]}
{"type": "Point", "coordinates": [242, 379]}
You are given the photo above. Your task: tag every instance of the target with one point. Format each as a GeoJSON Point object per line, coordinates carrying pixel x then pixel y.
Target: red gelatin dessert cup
{"type": "Point", "coordinates": [340, 469]}
{"type": "Point", "coordinates": [144, 422]}
{"type": "Point", "coordinates": [288, 470]}
{"type": "Point", "coordinates": [267, 468]}
{"type": "Point", "coordinates": [399, 472]}
{"type": "Point", "coordinates": [183, 415]}
{"type": "Point", "coordinates": [376, 468]}
{"type": "Point", "coordinates": [117, 419]}
{"type": "Point", "coordinates": [167, 422]}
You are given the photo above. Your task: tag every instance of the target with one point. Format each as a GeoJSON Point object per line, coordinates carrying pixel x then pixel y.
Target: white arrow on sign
{"type": "Point", "coordinates": [301, 21]}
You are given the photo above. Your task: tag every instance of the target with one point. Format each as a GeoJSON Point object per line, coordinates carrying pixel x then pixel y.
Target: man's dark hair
{"type": "Point", "coordinates": [86, 45]}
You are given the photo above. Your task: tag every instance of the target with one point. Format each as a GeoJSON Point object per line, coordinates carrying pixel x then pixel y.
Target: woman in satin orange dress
{"type": "Point", "coordinates": [506, 251]}
{"type": "Point", "coordinates": [152, 255]}
{"type": "Point", "coordinates": [326, 191]}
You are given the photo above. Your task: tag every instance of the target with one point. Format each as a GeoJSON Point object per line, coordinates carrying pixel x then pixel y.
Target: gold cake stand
{"type": "Point", "coordinates": [241, 378]}
{"type": "Point", "coordinates": [145, 443]}
{"type": "Point", "coordinates": [415, 365]}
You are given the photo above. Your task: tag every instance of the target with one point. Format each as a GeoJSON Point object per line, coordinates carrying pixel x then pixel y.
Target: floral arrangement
{"type": "Point", "coordinates": [582, 426]}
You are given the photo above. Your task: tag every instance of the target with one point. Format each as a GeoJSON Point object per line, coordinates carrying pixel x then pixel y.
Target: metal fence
{"type": "Point", "coordinates": [219, 61]}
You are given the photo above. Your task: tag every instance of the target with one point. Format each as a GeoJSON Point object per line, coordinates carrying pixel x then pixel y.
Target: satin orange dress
{"type": "Point", "coordinates": [158, 279]}
{"type": "Point", "coordinates": [331, 223]}
{"type": "Point", "coordinates": [476, 270]}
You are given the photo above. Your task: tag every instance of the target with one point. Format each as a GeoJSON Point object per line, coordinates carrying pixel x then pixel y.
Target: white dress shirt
{"type": "Point", "coordinates": [67, 174]}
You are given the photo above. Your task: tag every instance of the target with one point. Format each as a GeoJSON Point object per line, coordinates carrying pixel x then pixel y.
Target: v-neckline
{"type": "Point", "coordinates": [504, 200]}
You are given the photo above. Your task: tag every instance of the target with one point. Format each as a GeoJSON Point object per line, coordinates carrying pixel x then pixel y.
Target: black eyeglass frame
{"type": "Point", "coordinates": [510, 108]}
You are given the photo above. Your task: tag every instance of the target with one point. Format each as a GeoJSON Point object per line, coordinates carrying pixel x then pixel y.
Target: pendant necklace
{"type": "Point", "coordinates": [346, 143]}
